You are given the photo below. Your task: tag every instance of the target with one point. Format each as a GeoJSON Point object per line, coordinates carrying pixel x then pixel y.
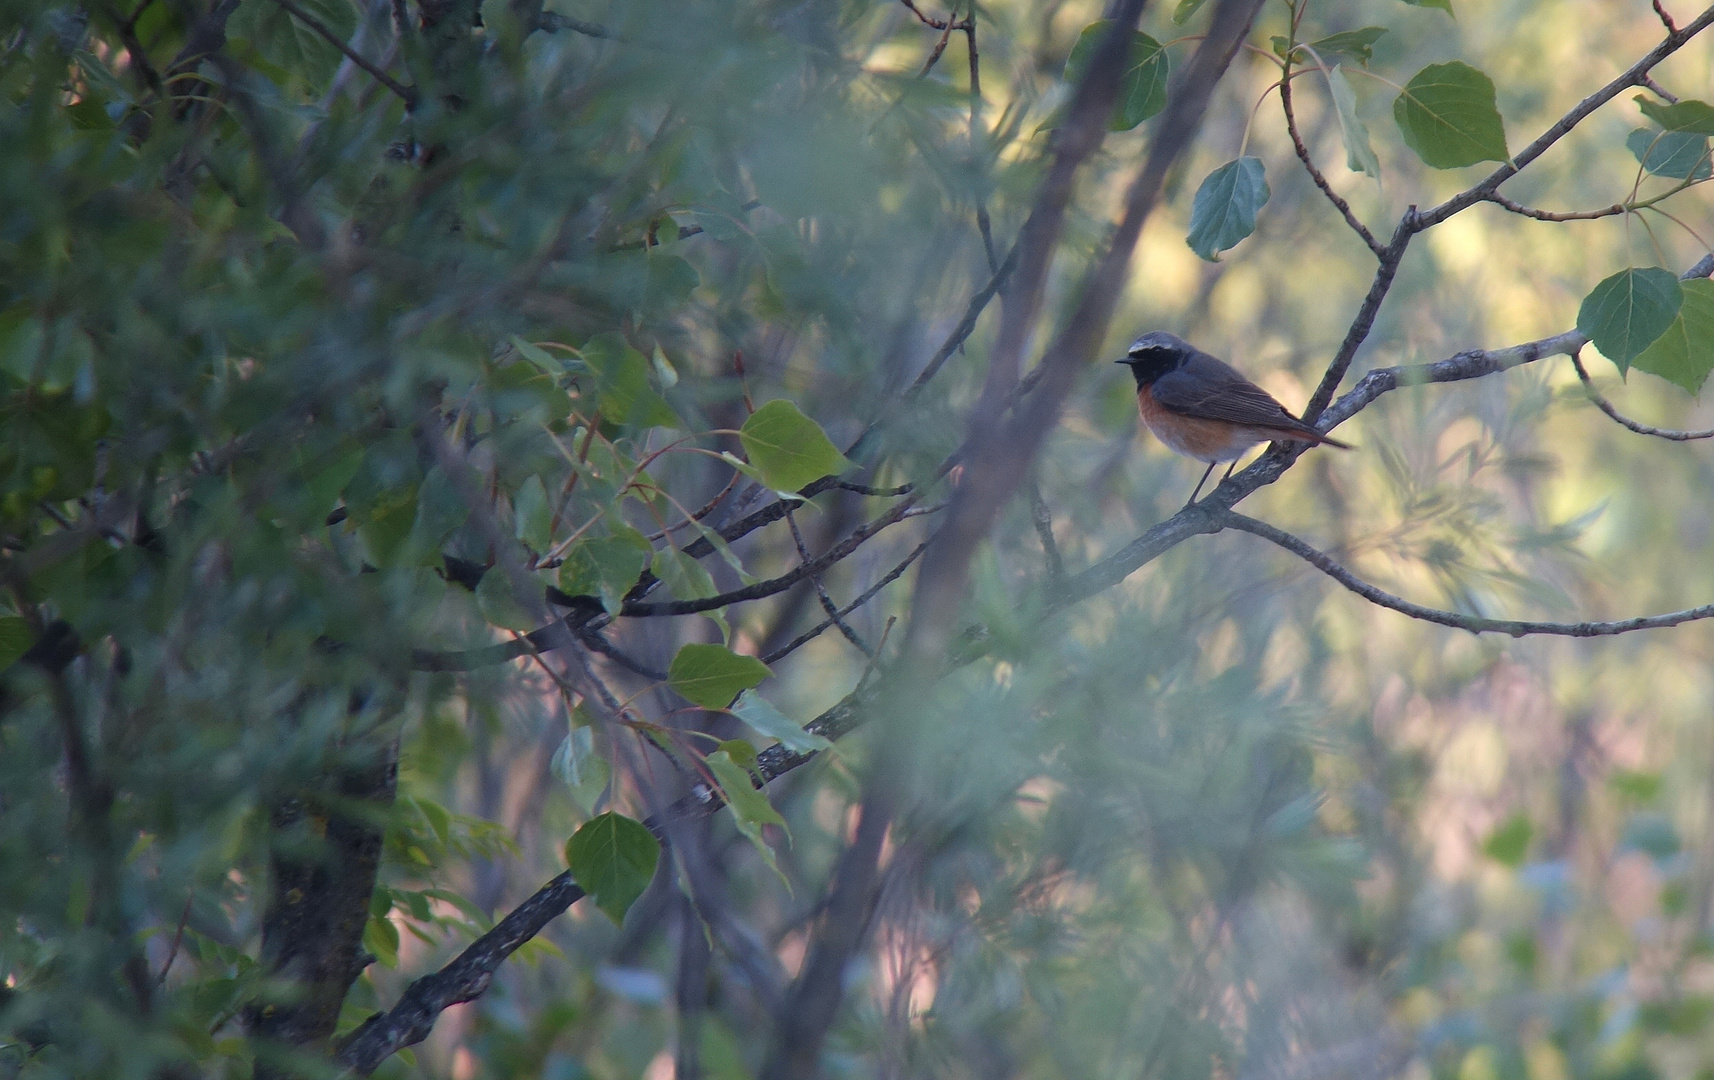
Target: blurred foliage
{"type": "Point", "coordinates": [306, 375]}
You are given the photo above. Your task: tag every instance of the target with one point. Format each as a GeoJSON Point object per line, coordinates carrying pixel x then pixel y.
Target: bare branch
{"type": "Point", "coordinates": [641, 609]}
{"type": "Point", "coordinates": [410, 1020]}
{"type": "Point", "coordinates": [827, 603]}
{"type": "Point", "coordinates": [1315, 174]}
{"type": "Point", "coordinates": [868, 594]}
{"type": "Point", "coordinates": [1665, 19]}
{"type": "Point", "coordinates": [405, 93]}
{"type": "Point", "coordinates": [1364, 320]}
{"type": "Point", "coordinates": [1641, 429]}
{"type": "Point", "coordinates": [1043, 521]}
{"type": "Point", "coordinates": [1548, 215]}
{"type": "Point", "coordinates": [1473, 623]}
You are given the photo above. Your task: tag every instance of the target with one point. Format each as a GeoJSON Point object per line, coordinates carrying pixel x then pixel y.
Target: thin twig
{"type": "Point", "coordinates": [1641, 429]}
{"type": "Point", "coordinates": [1473, 623]}
{"type": "Point", "coordinates": [1315, 174]}
{"type": "Point", "coordinates": [827, 603]}
{"type": "Point", "coordinates": [405, 93]}
{"type": "Point", "coordinates": [1043, 522]}
{"type": "Point", "coordinates": [1665, 19]}
{"type": "Point", "coordinates": [1659, 90]}
{"type": "Point", "coordinates": [868, 594]}
{"type": "Point", "coordinates": [597, 643]}
{"type": "Point", "coordinates": [1550, 215]}
{"type": "Point", "coordinates": [178, 939]}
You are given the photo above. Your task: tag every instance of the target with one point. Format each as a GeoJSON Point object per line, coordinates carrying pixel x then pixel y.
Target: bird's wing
{"type": "Point", "coordinates": [1210, 389]}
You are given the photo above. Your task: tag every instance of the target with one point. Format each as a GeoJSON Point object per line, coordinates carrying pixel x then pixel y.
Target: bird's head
{"type": "Point", "coordinates": [1154, 354]}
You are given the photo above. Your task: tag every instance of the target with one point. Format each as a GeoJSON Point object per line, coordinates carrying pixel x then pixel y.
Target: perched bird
{"type": "Point", "coordinates": [1202, 408]}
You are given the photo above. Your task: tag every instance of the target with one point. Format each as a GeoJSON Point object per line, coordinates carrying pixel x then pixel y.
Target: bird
{"type": "Point", "coordinates": [1201, 407]}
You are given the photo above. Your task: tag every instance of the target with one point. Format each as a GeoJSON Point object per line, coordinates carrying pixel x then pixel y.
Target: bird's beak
{"type": "Point", "coordinates": [1126, 360]}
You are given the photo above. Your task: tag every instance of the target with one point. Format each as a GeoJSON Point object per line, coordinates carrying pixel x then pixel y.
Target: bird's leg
{"type": "Point", "coordinates": [1200, 482]}
{"type": "Point", "coordinates": [1229, 469]}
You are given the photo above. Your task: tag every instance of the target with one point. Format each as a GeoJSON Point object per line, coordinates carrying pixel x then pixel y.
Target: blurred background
{"type": "Point", "coordinates": [1224, 820]}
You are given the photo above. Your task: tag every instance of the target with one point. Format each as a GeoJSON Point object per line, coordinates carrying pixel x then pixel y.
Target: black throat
{"type": "Point", "coordinates": [1150, 366]}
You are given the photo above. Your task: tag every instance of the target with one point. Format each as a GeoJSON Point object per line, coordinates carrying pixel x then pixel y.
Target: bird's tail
{"type": "Point", "coordinates": [1305, 433]}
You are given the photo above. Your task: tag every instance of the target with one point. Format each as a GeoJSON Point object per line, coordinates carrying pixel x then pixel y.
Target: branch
{"type": "Point", "coordinates": [410, 1020]}
{"type": "Point", "coordinates": [1415, 221]}
{"type": "Point", "coordinates": [405, 93]}
{"type": "Point", "coordinates": [1547, 215]}
{"type": "Point", "coordinates": [869, 594]}
{"type": "Point", "coordinates": [1473, 623]}
{"type": "Point", "coordinates": [1635, 75]}
{"type": "Point", "coordinates": [641, 609]}
{"type": "Point", "coordinates": [1641, 429]}
{"type": "Point", "coordinates": [1364, 320]}
{"type": "Point", "coordinates": [827, 603]}
{"type": "Point", "coordinates": [1315, 174]}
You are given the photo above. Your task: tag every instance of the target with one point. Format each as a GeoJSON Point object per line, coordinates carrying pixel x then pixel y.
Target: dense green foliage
{"type": "Point", "coordinates": [416, 474]}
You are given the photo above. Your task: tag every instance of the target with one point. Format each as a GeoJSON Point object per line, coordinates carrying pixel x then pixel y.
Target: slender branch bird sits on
{"type": "Point", "coordinates": [1201, 407]}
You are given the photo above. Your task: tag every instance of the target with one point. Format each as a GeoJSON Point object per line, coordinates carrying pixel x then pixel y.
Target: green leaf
{"type": "Point", "coordinates": [770, 722]}
{"type": "Point", "coordinates": [1687, 115]}
{"type": "Point", "coordinates": [1224, 211]}
{"type": "Point", "coordinates": [1185, 9]}
{"type": "Point", "coordinates": [1443, 5]}
{"type": "Point", "coordinates": [522, 391]}
{"type": "Point", "coordinates": [381, 940]}
{"type": "Point", "coordinates": [1678, 155]}
{"type": "Point", "coordinates": [750, 808]}
{"type": "Point", "coordinates": [789, 447]}
{"type": "Point", "coordinates": [606, 566]}
{"type": "Point", "coordinates": [1142, 85]}
{"type": "Point", "coordinates": [15, 640]}
{"type": "Point", "coordinates": [622, 391]}
{"type": "Point", "coordinates": [499, 606]}
{"type": "Point", "coordinates": [712, 675]}
{"type": "Point", "coordinates": [440, 511]}
{"type": "Point", "coordinates": [683, 575]}
{"type": "Point", "coordinates": [612, 858]}
{"type": "Point", "coordinates": [1359, 154]}
{"type": "Point", "coordinates": [1448, 116]}
{"type": "Point", "coordinates": [1625, 313]}
{"type": "Point", "coordinates": [1357, 45]}
{"type": "Point", "coordinates": [532, 513]}
{"type": "Point", "coordinates": [584, 772]}
{"type": "Point", "coordinates": [1684, 354]}
{"type": "Point", "coordinates": [532, 352]}
{"type": "Point", "coordinates": [1510, 843]}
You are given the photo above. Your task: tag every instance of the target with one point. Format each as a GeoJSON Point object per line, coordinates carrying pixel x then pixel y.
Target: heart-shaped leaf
{"type": "Point", "coordinates": [789, 447]}
{"type": "Point", "coordinates": [1142, 85]}
{"type": "Point", "coordinates": [1448, 116]}
{"type": "Point", "coordinates": [1625, 313]}
{"type": "Point", "coordinates": [612, 858]}
{"type": "Point", "coordinates": [712, 675]}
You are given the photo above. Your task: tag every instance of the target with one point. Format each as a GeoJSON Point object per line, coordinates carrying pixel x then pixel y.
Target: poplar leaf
{"type": "Point", "coordinates": [612, 858]}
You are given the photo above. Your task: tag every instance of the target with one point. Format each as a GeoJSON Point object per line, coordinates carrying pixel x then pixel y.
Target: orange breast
{"type": "Point", "coordinates": [1204, 440]}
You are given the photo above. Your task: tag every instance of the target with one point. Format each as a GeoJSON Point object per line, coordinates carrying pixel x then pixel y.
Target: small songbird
{"type": "Point", "coordinates": [1202, 408]}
